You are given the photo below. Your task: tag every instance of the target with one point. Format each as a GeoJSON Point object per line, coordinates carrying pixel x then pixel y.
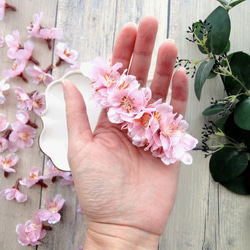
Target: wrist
{"type": "Point", "coordinates": [118, 237]}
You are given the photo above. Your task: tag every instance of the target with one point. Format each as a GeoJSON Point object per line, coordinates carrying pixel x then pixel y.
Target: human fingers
{"type": "Point", "coordinates": [180, 91]}
{"type": "Point", "coordinates": [76, 115]}
{"type": "Point", "coordinates": [143, 49]}
{"type": "Point", "coordinates": [124, 46]}
{"type": "Point", "coordinates": [164, 69]}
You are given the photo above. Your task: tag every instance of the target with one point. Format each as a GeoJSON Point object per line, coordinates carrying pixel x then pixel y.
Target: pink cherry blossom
{"type": "Point", "coordinates": [55, 172]}
{"type": "Point", "coordinates": [39, 76]}
{"type": "Point", "coordinates": [50, 34]}
{"type": "Point", "coordinates": [3, 123]}
{"type": "Point", "coordinates": [4, 87]}
{"type": "Point", "coordinates": [1, 41]}
{"type": "Point", "coordinates": [51, 214]}
{"type": "Point", "coordinates": [67, 180]}
{"type": "Point", "coordinates": [25, 54]}
{"type": "Point", "coordinates": [34, 178]}
{"type": "Point", "coordinates": [31, 232]}
{"type": "Point", "coordinates": [35, 26]}
{"type": "Point", "coordinates": [65, 54]}
{"type": "Point", "coordinates": [6, 163]}
{"type": "Point", "coordinates": [16, 70]}
{"type": "Point", "coordinates": [3, 7]}
{"type": "Point", "coordinates": [38, 103]}
{"type": "Point", "coordinates": [14, 193]}
{"type": "Point", "coordinates": [22, 134]}
{"type": "Point", "coordinates": [13, 43]}
{"type": "Point", "coordinates": [6, 144]}
{"type": "Point", "coordinates": [24, 101]}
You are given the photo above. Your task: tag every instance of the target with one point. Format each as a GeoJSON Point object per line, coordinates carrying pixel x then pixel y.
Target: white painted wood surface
{"type": "Point", "coordinates": [205, 216]}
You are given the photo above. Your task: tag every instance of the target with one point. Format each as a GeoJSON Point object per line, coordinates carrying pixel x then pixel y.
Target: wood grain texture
{"type": "Point", "coordinates": [206, 215]}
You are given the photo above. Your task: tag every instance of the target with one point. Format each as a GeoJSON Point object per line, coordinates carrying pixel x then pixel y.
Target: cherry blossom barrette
{"type": "Point", "coordinates": [151, 125]}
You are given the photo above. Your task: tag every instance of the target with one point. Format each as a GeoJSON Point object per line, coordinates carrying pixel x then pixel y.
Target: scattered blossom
{"type": "Point", "coordinates": [39, 76]}
{"type": "Point", "coordinates": [55, 172]}
{"type": "Point", "coordinates": [153, 126]}
{"type": "Point", "coordinates": [34, 178]}
{"type": "Point", "coordinates": [3, 123]}
{"type": "Point", "coordinates": [6, 163]}
{"type": "Point", "coordinates": [4, 87]}
{"type": "Point", "coordinates": [31, 232]}
{"type": "Point", "coordinates": [38, 102]}
{"type": "Point", "coordinates": [3, 7]}
{"type": "Point", "coordinates": [25, 54]}
{"type": "Point", "coordinates": [13, 43]}
{"type": "Point", "coordinates": [65, 54]}
{"type": "Point", "coordinates": [16, 70]}
{"type": "Point", "coordinates": [50, 34]}
{"type": "Point", "coordinates": [67, 180]}
{"type": "Point", "coordinates": [51, 214]}
{"type": "Point", "coordinates": [23, 99]}
{"type": "Point", "coordinates": [35, 26]}
{"type": "Point", "coordinates": [6, 144]}
{"type": "Point", "coordinates": [14, 194]}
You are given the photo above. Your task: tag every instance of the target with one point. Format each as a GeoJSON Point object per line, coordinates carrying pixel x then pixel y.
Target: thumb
{"type": "Point", "coordinates": [76, 114]}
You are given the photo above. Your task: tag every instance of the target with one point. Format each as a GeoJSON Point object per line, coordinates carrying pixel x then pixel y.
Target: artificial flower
{"type": "Point", "coordinates": [55, 172]}
{"type": "Point", "coordinates": [4, 87]}
{"type": "Point", "coordinates": [6, 144]}
{"type": "Point", "coordinates": [50, 34]}
{"type": "Point", "coordinates": [13, 43]}
{"type": "Point", "coordinates": [6, 163]}
{"type": "Point", "coordinates": [25, 54]}
{"type": "Point", "coordinates": [31, 232]}
{"type": "Point", "coordinates": [22, 134]}
{"type": "Point", "coordinates": [35, 26]}
{"type": "Point", "coordinates": [3, 7]}
{"type": "Point", "coordinates": [14, 194]}
{"type": "Point", "coordinates": [16, 70]}
{"type": "Point", "coordinates": [23, 99]}
{"type": "Point", "coordinates": [38, 102]}
{"type": "Point", "coordinates": [34, 178]}
{"type": "Point", "coordinates": [51, 214]}
{"type": "Point", "coordinates": [65, 54]}
{"type": "Point", "coordinates": [39, 76]}
{"type": "Point", "coordinates": [3, 123]}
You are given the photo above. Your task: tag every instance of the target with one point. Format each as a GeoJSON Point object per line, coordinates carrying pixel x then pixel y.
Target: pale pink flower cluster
{"type": "Point", "coordinates": [151, 125]}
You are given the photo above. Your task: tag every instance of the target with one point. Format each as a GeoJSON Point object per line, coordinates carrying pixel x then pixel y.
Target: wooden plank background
{"type": "Point", "coordinates": [205, 216]}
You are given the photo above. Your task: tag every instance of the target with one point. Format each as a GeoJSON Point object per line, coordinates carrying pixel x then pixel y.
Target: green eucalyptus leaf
{"type": "Point", "coordinates": [213, 109]}
{"type": "Point", "coordinates": [218, 37]}
{"type": "Point", "coordinates": [212, 75]}
{"type": "Point", "coordinates": [240, 184]}
{"type": "Point", "coordinates": [242, 114]}
{"type": "Point", "coordinates": [233, 4]}
{"type": "Point", "coordinates": [201, 75]}
{"type": "Point", "coordinates": [227, 164]}
{"type": "Point", "coordinates": [240, 65]}
{"type": "Point", "coordinates": [220, 123]}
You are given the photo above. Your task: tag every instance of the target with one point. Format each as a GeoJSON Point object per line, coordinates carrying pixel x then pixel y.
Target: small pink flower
{"type": "Point", "coordinates": [55, 172]}
{"type": "Point", "coordinates": [34, 178]}
{"type": "Point", "coordinates": [50, 34]}
{"type": "Point", "coordinates": [67, 180]}
{"type": "Point", "coordinates": [1, 41]}
{"type": "Point", "coordinates": [31, 232]}
{"type": "Point", "coordinates": [22, 134]}
{"type": "Point", "coordinates": [13, 43]}
{"type": "Point", "coordinates": [25, 54]}
{"type": "Point", "coordinates": [24, 101]}
{"type": "Point", "coordinates": [39, 76]}
{"type": "Point", "coordinates": [3, 123]}
{"type": "Point", "coordinates": [6, 163]}
{"type": "Point", "coordinates": [6, 144]}
{"type": "Point", "coordinates": [3, 7]}
{"type": "Point", "coordinates": [51, 214]}
{"type": "Point", "coordinates": [38, 102]}
{"type": "Point", "coordinates": [14, 194]}
{"type": "Point", "coordinates": [16, 70]}
{"type": "Point", "coordinates": [65, 54]}
{"type": "Point", "coordinates": [35, 26]}
{"type": "Point", "coordinates": [4, 87]}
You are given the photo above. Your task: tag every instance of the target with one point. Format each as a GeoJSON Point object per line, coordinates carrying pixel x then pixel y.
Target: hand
{"type": "Point", "coordinates": [127, 195]}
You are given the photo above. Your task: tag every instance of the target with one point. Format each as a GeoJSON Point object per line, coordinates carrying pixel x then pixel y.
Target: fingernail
{"type": "Point", "coordinates": [170, 40]}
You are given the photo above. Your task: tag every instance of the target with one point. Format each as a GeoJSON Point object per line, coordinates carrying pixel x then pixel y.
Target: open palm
{"type": "Point", "coordinates": [117, 183]}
